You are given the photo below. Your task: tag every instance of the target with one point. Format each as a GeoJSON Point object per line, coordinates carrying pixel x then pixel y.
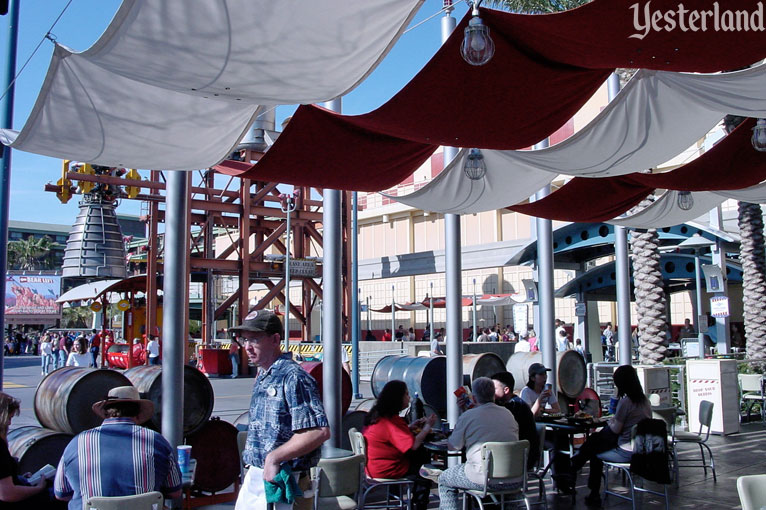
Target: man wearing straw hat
{"type": "Point", "coordinates": [119, 458]}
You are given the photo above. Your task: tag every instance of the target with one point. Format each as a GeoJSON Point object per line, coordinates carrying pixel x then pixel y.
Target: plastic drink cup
{"type": "Point", "coordinates": [613, 405]}
{"type": "Point", "coordinates": [184, 456]}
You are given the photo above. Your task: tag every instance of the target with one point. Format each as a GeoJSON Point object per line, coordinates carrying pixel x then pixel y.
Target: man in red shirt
{"type": "Point", "coordinates": [386, 336]}
{"type": "Point", "coordinates": [95, 343]}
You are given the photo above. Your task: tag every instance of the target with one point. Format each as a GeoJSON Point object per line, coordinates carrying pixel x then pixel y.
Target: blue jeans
{"type": "Point", "coordinates": [453, 479]}
{"type": "Point", "coordinates": [234, 365]}
{"type": "Point", "coordinates": [47, 361]}
{"type": "Point", "coordinates": [62, 358]}
{"type": "Point", "coordinates": [597, 448]}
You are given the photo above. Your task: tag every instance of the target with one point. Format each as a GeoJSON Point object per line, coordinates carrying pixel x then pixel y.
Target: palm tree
{"type": "Point", "coordinates": [752, 255]}
{"type": "Point", "coordinates": [538, 6]}
{"type": "Point", "coordinates": [649, 292]}
{"type": "Point", "coordinates": [29, 253]}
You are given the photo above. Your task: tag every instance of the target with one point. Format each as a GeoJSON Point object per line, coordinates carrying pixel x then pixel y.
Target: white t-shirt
{"type": "Point", "coordinates": [529, 396]}
{"type": "Point", "coordinates": [45, 349]}
{"type": "Point", "coordinates": [435, 350]}
{"type": "Point", "coordinates": [487, 422]}
{"type": "Point", "coordinates": [522, 346]}
{"type": "Point", "coordinates": [153, 347]}
{"type": "Point", "coordinates": [562, 344]}
{"type": "Point", "coordinates": [79, 360]}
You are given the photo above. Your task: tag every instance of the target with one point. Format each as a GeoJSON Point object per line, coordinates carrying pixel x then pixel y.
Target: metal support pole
{"type": "Point", "coordinates": [356, 312]}
{"type": "Point", "coordinates": [622, 267]}
{"type": "Point", "coordinates": [453, 267]}
{"type": "Point", "coordinates": [698, 292]}
{"type": "Point", "coordinates": [723, 332]}
{"type": "Point", "coordinates": [332, 305]}
{"type": "Point", "coordinates": [175, 313]}
{"type": "Point", "coordinates": [545, 334]}
{"type": "Point", "coordinates": [393, 312]}
{"type": "Point", "coordinates": [431, 311]}
{"type": "Point", "coordinates": [5, 155]}
{"type": "Point", "coordinates": [369, 322]}
{"type": "Point", "coordinates": [474, 310]}
{"type": "Point", "coordinates": [288, 206]}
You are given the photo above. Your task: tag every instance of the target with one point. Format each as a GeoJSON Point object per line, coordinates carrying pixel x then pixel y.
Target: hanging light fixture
{"type": "Point", "coordinates": [477, 48]}
{"type": "Point", "coordinates": [685, 200]}
{"type": "Point", "coordinates": [759, 136]}
{"type": "Point", "coordinates": [474, 167]}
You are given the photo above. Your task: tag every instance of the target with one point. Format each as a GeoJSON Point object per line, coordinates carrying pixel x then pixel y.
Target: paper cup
{"type": "Point", "coordinates": [184, 456]}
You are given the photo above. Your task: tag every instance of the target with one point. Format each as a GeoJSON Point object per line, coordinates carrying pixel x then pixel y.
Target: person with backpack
{"type": "Point", "coordinates": [613, 442]}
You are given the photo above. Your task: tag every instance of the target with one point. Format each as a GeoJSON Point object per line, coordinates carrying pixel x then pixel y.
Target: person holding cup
{"type": "Point", "coordinates": [540, 397]}
{"type": "Point", "coordinates": [120, 457]}
{"type": "Point", "coordinates": [538, 394]}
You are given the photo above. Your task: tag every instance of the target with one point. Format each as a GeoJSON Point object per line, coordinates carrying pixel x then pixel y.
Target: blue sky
{"type": "Point", "coordinates": [82, 24]}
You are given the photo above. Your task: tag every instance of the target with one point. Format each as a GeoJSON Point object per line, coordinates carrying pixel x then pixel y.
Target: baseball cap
{"type": "Point", "coordinates": [537, 368]}
{"type": "Point", "coordinates": [260, 321]}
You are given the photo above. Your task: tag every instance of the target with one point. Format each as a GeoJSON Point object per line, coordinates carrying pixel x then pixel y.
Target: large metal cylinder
{"type": "Point", "coordinates": [570, 369]}
{"type": "Point", "coordinates": [365, 405]}
{"type": "Point", "coordinates": [261, 134]}
{"type": "Point", "coordinates": [314, 368]}
{"type": "Point", "coordinates": [63, 399]}
{"type": "Point", "coordinates": [95, 248]}
{"type": "Point", "coordinates": [36, 447]}
{"type": "Point", "coordinates": [485, 364]}
{"type": "Point", "coordinates": [214, 446]}
{"type": "Point", "coordinates": [198, 395]}
{"type": "Point", "coordinates": [425, 376]}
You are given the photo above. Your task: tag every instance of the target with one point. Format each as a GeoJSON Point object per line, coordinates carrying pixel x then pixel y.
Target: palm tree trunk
{"type": "Point", "coordinates": [752, 255]}
{"type": "Point", "coordinates": [649, 294]}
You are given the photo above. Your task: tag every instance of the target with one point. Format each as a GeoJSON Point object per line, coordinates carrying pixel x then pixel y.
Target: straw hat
{"type": "Point", "coordinates": [126, 394]}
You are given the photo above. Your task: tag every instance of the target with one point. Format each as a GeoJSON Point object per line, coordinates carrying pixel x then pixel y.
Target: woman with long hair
{"type": "Point", "coordinates": [14, 492]}
{"type": "Point", "coordinates": [79, 357]}
{"type": "Point", "coordinates": [393, 447]}
{"type": "Point", "coordinates": [613, 442]}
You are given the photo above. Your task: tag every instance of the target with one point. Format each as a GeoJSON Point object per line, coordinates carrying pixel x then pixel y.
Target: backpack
{"type": "Point", "coordinates": [650, 451]}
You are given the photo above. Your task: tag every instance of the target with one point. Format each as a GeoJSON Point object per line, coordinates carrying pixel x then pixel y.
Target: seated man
{"type": "Point", "coordinates": [485, 422]}
{"type": "Point", "coordinates": [504, 384]}
{"type": "Point", "coordinates": [119, 458]}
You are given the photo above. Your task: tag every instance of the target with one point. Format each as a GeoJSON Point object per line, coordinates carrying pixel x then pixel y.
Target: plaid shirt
{"type": "Point", "coordinates": [285, 399]}
{"type": "Point", "coordinates": [119, 458]}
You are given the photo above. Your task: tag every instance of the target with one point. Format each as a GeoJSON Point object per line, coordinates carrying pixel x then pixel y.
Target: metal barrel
{"type": "Point", "coordinates": [352, 419]}
{"type": "Point", "coordinates": [36, 447]}
{"type": "Point", "coordinates": [214, 445]}
{"type": "Point", "coordinates": [425, 376]}
{"type": "Point", "coordinates": [365, 405]}
{"type": "Point", "coordinates": [314, 368]}
{"type": "Point", "coordinates": [198, 395]}
{"type": "Point", "coordinates": [570, 370]}
{"type": "Point", "coordinates": [485, 364]}
{"type": "Point", "coordinates": [63, 399]}
{"type": "Point", "coordinates": [242, 421]}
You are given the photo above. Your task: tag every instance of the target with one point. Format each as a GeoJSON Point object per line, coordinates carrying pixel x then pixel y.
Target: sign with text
{"type": "Point", "coordinates": [32, 295]}
{"type": "Point", "coordinates": [719, 306]}
{"type": "Point", "coordinates": [303, 267]}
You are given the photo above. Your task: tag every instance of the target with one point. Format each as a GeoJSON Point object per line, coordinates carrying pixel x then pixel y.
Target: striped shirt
{"type": "Point", "coordinates": [285, 399]}
{"type": "Point", "coordinates": [119, 458]}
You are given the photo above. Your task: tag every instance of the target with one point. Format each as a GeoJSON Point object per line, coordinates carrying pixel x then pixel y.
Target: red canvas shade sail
{"type": "Point", "coordinates": [544, 69]}
{"type": "Point", "coordinates": [731, 164]}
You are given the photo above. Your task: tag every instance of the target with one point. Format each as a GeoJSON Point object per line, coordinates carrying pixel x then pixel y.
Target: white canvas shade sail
{"type": "Point", "coordinates": [174, 84]}
{"type": "Point", "coordinates": [655, 117]}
